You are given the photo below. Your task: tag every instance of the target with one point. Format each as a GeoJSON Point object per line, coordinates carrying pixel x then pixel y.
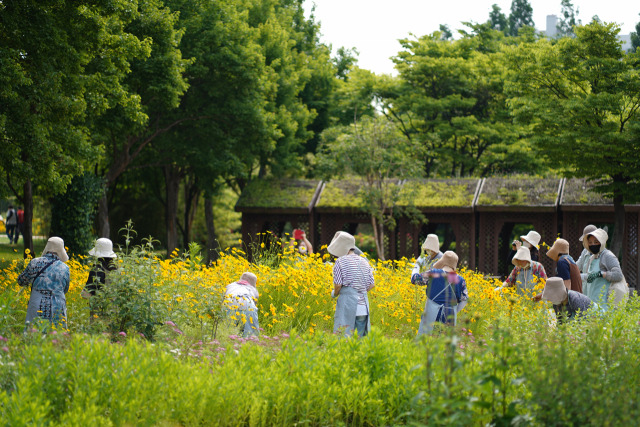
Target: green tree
{"type": "Point", "coordinates": [445, 32]}
{"type": "Point", "coordinates": [521, 16]}
{"type": "Point", "coordinates": [635, 38]}
{"type": "Point", "coordinates": [61, 65]}
{"type": "Point", "coordinates": [568, 20]}
{"type": "Point", "coordinates": [498, 20]}
{"type": "Point", "coordinates": [449, 98]}
{"type": "Point", "coordinates": [580, 96]}
{"type": "Point", "coordinates": [375, 153]}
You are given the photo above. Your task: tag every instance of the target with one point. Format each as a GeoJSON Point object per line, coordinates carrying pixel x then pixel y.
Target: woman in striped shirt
{"type": "Point", "coordinates": [352, 278]}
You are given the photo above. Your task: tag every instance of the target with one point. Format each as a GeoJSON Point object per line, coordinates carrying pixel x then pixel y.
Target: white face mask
{"type": "Point", "coordinates": [527, 244]}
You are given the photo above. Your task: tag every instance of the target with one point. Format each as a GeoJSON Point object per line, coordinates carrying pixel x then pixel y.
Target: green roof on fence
{"type": "Point", "coordinates": [519, 190]}
{"type": "Point", "coordinates": [278, 193]}
{"type": "Point", "coordinates": [437, 193]}
{"type": "Point", "coordinates": [579, 191]}
{"type": "Point", "coordinates": [340, 194]}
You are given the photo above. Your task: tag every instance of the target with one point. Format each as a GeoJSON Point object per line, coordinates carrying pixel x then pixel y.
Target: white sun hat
{"type": "Point", "coordinates": [554, 290]}
{"type": "Point", "coordinates": [588, 229]}
{"type": "Point", "coordinates": [103, 249]}
{"type": "Point", "coordinates": [523, 254]}
{"type": "Point", "coordinates": [532, 237]}
{"type": "Point", "coordinates": [56, 245]}
{"type": "Point", "coordinates": [250, 278]}
{"type": "Point", "coordinates": [431, 243]}
{"type": "Point", "coordinates": [341, 244]}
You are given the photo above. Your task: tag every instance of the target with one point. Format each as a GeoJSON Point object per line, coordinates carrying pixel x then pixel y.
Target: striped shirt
{"type": "Point", "coordinates": [354, 271]}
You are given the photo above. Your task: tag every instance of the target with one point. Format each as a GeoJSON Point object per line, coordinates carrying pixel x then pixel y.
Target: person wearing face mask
{"type": "Point", "coordinates": [446, 293]}
{"type": "Point", "coordinates": [530, 241]}
{"type": "Point", "coordinates": [430, 254]}
{"type": "Point", "coordinates": [567, 304]}
{"type": "Point", "coordinates": [526, 274]}
{"type": "Point", "coordinates": [585, 255]}
{"type": "Point", "coordinates": [602, 267]}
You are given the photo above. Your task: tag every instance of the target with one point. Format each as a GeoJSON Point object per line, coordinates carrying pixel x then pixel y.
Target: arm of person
{"type": "Point", "coordinates": [336, 289]}
{"type": "Point", "coordinates": [26, 277]}
{"type": "Point", "coordinates": [564, 272]}
{"type": "Point", "coordinates": [610, 267]}
{"type": "Point", "coordinates": [512, 278]}
{"type": "Point", "coordinates": [67, 280]}
{"type": "Point", "coordinates": [307, 243]}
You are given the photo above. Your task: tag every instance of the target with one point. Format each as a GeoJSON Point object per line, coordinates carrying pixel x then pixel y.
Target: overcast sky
{"type": "Point", "coordinates": [374, 26]}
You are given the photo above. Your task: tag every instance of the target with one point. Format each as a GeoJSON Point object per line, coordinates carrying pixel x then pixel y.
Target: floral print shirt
{"type": "Point", "coordinates": [55, 278]}
{"type": "Point", "coordinates": [536, 268]}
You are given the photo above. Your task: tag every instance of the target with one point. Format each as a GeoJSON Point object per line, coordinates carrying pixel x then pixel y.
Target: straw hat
{"type": "Point", "coordinates": [554, 290]}
{"type": "Point", "coordinates": [56, 245]}
{"type": "Point", "coordinates": [588, 229]}
{"type": "Point", "coordinates": [103, 249]}
{"type": "Point", "coordinates": [431, 243]}
{"type": "Point", "coordinates": [523, 254]}
{"type": "Point", "coordinates": [532, 237]}
{"type": "Point", "coordinates": [560, 246]}
{"type": "Point", "coordinates": [250, 278]}
{"type": "Point", "coordinates": [341, 244]}
{"type": "Point", "coordinates": [448, 262]}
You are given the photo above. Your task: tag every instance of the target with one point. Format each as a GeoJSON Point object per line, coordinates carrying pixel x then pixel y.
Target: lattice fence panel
{"type": "Point", "coordinates": [631, 260]}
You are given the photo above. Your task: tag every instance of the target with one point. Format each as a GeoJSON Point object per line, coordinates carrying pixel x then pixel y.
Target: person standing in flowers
{"type": "Point", "coordinates": [567, 304]}
{"type": "Point", "coordinates": [49, 278]}
{"type": "Point", "coordinates": [430, 254]}
{"type": "Point", "coordinates": [530, 241]}
{"type": "Point", "coordinates": [240, 302]}
{"type": "Point", "coordinates": [352, 279]}
{"type": "Point", "coordinates": [603, 269]}
{"type": "Point", "coordinates": [446, 293]}
{"type": "Point", "coordinates": [105, 262]}
{"type": "Point", "coordinates": [526, 274]}
{"type": "Point", "coordinates": [566, 267]}
{"type": "Point", "coordinates": [585, 255]}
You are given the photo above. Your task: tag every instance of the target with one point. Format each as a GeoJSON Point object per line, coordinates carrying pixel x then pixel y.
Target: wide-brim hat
{"type": "Point", "coordinates": [532, 237]}
{"type": "Point", "coordinates": [250, 278]}
{"type": "Point", "coordinates": [431, 243]}
{"type": "Point", "coordinates": [523, 254]}
{"type": "Point", "coordinates": [554, 290]}
{"type": "Point", "coordinates": [103, 249]}
{"type": "Point", "coordinates": [448, 262]}
{"type": "Point", "coordinates": [341, 244]}
{"type": "Point", "coordinates": [601, 236]}
{"type": "Point", "coordinates": [588, 229]}
{"type": "Point", "coordinates": [56, 245]}
{"type": "Point", "coordinates": [560, 246]}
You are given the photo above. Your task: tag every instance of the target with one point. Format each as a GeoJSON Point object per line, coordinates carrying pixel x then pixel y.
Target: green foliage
{"type": "Point", "coordinates": [73, 213]}
{"type": "Point", "coordinates": [278, 193]}
{"type": "Point", "coordinates": [341, 194]}
{"type": "Point", "coordinates": [498, 20]}
{"type": "Point", "coordinates": [438, 193]}
{"type": "Point", "coordinates": [521, 16]}
{"type": "Point", "coordinates": [635, 38]}
{"type": "Point", "coordinates": [519, 190]}
{"type": "Point", "coordinates": [568, 20]}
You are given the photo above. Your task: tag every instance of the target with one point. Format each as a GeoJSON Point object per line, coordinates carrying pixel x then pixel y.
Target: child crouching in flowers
{"type": "Point", "coordinates": [240, 303]}
{"type": "Point", "coordinates": [446, 293]}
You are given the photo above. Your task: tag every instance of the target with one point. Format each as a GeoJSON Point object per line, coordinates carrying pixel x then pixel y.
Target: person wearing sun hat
{"type": "Point", "coordinates": [585, 254]}
{"type": "Point", "coordinates": [429, 255]}
{"type": "Point", "coordinates": [49, 278]}
{"type": "Point", "coordinates": [105, 256]}
{"type": "Point", "coordinates": [240, 301]}
{"type": "Point", "coordinates": [352, 280]}
{"type": "Point", "coordinates": [446, 293]}
{"type": "Point", "coordinates": [603, 270]}
{"type": "Point", "coordinates": [531, 241]}
{"type": "Point", "coordinates": [526, 273]}
{"type": "Point", "coordinates": [566, 267]}
{"type": "Point", "coordinates": [567, 304]}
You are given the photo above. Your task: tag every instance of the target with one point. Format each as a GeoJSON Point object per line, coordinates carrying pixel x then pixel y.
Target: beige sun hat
{"type": "Point", "coordinates": [56, 245]}
{"type": "Point", "coordinates": [532, 237]}
{"type": "Point", "coordinates": [341, 244]}
{"type": "Point", "coordinates": [560, 246]}
{"type": "Point", "coordinates": [523, 254]}
{"type": "Point", "coordinates": [601, 236]}
{"type": "Point", "coordinates": [431, 243]}
{"type": "Point", "coordinates": [554, 290]}
{"type": "Point", "coordinates": [250, 278]}
{"type": "Point", "coordinates": [448, 262]}
{"type": "Point", "coordinates": [103, 249]}
{"type": "Point", "coordinates": [588, 229]}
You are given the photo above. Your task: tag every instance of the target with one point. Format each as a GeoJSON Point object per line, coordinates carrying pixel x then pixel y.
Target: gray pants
{"type": "Point", "coordinates": [361, 325]}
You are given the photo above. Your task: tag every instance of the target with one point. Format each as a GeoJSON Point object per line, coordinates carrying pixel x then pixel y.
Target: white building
{"type": "Point", "coordinates": [552, 30]}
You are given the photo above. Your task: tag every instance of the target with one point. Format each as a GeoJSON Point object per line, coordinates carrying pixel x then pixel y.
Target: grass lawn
{"type": "Point", "coordinates": [11, 252]}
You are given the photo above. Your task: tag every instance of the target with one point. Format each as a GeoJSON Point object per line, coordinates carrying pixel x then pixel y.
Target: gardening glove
{"type": "Point", "coordinates": [416, 279]}
{"type": "Point", "coordinates": [333, 294]}
{"type": "Point", "coordinates": [593, 276]}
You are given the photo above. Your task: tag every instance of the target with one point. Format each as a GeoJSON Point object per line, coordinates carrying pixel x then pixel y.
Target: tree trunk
{"type": "Point", "coordinates": [27, 229]}
{"type": "Point", "coordinates": [212, 238]}
{"type": "Point", "coordinates": [172, 186]}
{"type": "Point", "coordinates": [378, 236]}
{"type": "Point", "coordinates": [191, 196]}
{"type": "Point", "coordinates": [104, 228]}
{"type": "Point", "coordinates": [618, 232]}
